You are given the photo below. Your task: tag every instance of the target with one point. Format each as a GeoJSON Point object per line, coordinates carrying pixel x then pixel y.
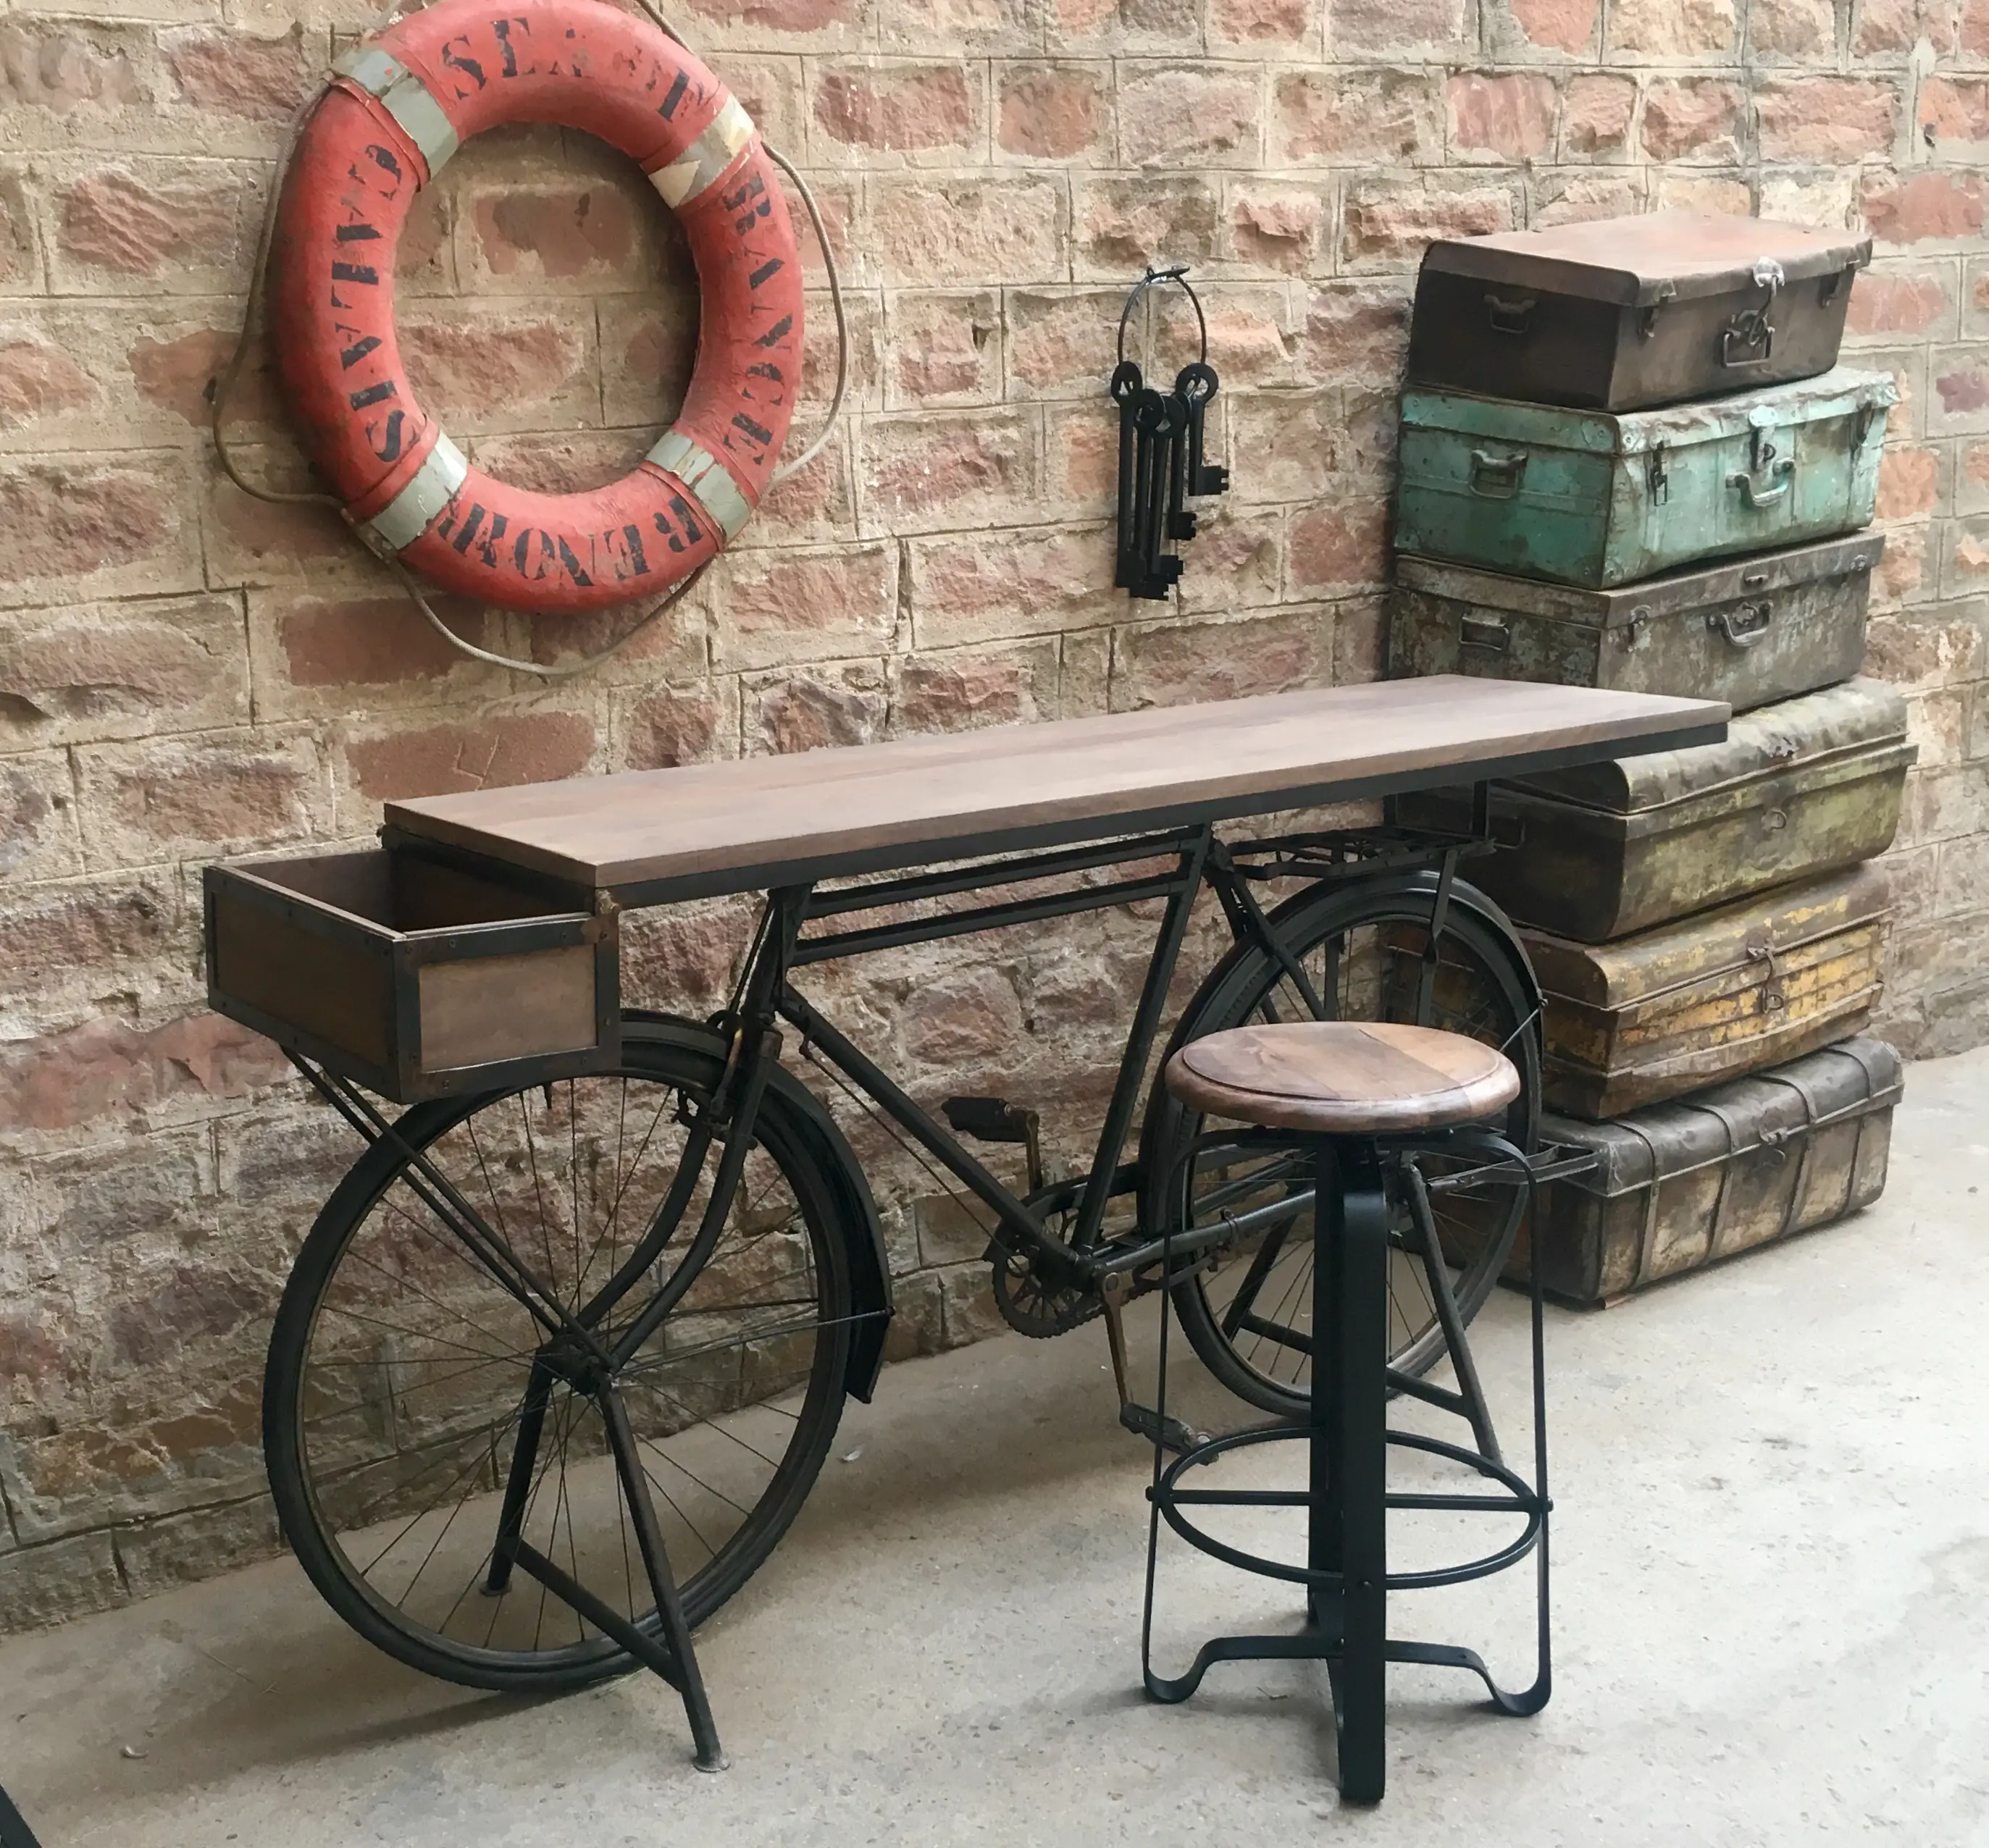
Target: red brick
{"type": "Point", "coordinates": [949, 233]}
{"type": "Point", "coordinates": [1278, 226]}
{"type": "Point", "coordinates": [667, 728]}
{"type": "Point", "coordinates": [1926, 207]}
{"type": "Point", "coordinates": [1174, 663]}
{"type": "Point", "coordinates": [177, 375]}
{"type": "Point", "coordinates": [1235, 562]}
{"type": "Point", "coordinates": [113, 221]}
{"type": "Point", "coordinates": [780, 16]}
{"type": "Point", "coordinates": [468, 372]}
{"type": "Point", "coordinates": [373, 640]}
{"type": "Point", "coordinates": [1122, 225]}
{"type": "Point", "coordinates": [1974, 28]}
{"type": "Point", "coordinates": [1062, 345]}
{"type": "Point", "coordinates": [1961, 381]}
{"type": "Point", "coordinates": [1692, 118]}
{"type": "Point", "coordinates": [1568, 199]}
{"type": "Point", "coordinates": [948, 470]}
{"type": "Point", "coordinates": [1271, 23]}
{"type": "Point", "coordinates": [972, 589]}
{"type": "Point", "coordinates": [807, 711]}
{"type": "Point", "coordinates": [1909, 482]}
{"type": "Point", "coordinates": [104, 670]}
{"type": "Point", "coordinates": [494, 752]}
{"type": "Point", "coordinates": [1673, 28]}
{"type": "Point", "coordinates": [1596, 113]}
{"type": "Point", "coordinates": [1052, 112]}
{"type": "Point", "coordinates": [1286, 444]}
{"type": "Point", "coordinates": [780, 605]}
{"type": "Point", "coordinates": [554, 232]}
{"type": "Point", "coordinates": [1511, 117]}
{"type": "Point", "coordinates": [1895, 26]}
{"type": "Point", "coordinates": [1391, 116]}
{"type": "Point", "coordinates": [1826, 118]}
{"type": "Point", "coordinates": [974, 1014]}
{"type": "Point", "coordinates": [38, 380]}
{"type": "Point", "coordinates": [1248, 341]}
{"type": "Point", "coordinates": [62, 1080]}
{"type": "Point", "coordinates": [946, 348]}
{"type": "Point", "coordinates": [1355, 26]}
{"type": "Point", "coordinates": [1795, 30]}
{"type": "Point", "coordinates": [191, 794]}
{"type": "Point", "coordinates": [1183, 115]}
{"type": "Point", "coordinates": [1388, 222]}
{"type": "Point", "coordinates": [237, 74]}
{"type": "Point", "coordinates": [1561, 25]}
{"type": "Point", "coordinates": [1339, 549]}
{"type": "Point", "coordinates": [59, 64]}
{"type": "Point", "coordinates": [78, 518]}
{"type": "Point", "coordinates": [1356, 332]}
{"type": "Point", "coordinates": [54, 933]}
{"type": "Point", "coordinates": [1896, 301]}
{"type": "Point", "coordinates": [958, 693]}
{"type": "Point", "coordinates": [1954, 111]}
{"type": "Point", "coordinates": [897, 108]}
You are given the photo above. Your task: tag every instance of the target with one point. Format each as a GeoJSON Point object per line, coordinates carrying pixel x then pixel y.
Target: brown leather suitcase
{"type": "Point", "coordinates": [1705, 999]}
{"type": "Point", "coordinates": [1681, 1185]}
{"type": "Point", "coordinates": [1622, 314]}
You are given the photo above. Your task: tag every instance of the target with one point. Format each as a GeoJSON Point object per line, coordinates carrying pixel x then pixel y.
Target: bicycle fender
{"type": "Point", "coordinates": [863, 1231]}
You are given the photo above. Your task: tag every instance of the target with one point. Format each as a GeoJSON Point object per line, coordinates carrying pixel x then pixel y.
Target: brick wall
{"type": "Point", "coordinates": [185, 674]}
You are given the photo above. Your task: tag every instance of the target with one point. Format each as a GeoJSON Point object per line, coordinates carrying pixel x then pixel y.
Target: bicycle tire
{"type": "Point", "coordinates": [689, 1063]}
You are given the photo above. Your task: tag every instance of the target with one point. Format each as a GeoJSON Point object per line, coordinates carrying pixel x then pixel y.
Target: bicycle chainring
{"type": "Point", "coordinates": [1033, 1307]}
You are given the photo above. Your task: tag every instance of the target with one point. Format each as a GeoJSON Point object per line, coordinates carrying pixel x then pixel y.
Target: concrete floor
{"type": "Point", "coordinates": [1772, 1577]}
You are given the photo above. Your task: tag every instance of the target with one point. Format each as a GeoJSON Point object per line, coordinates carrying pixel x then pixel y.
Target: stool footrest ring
{"type": "Point", "coordinates": [1312, 1645]}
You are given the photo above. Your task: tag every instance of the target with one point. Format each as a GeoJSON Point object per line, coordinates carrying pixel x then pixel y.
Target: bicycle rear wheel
{"type": "Point", "coordinates": [1247, 1312]}
{"type": "Point", "coordinates": [399, 1366]}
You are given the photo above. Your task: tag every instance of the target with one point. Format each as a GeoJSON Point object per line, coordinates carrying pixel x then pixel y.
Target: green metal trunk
{"type": "Point", "coordinates": [1703, 1000]}
{"type": "Point", "coordinates": [1682, 1185]}
{"type": "Point", "coordinates": [1798, 788]}
{"type": "Point", "coordinates": [1586, 497]}
{"type": "Point", "coordinates": [1749, 631]}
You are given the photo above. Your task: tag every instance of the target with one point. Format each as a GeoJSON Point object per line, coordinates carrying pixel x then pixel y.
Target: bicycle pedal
{"type": "Point", "coordinates": [1169, 1433]}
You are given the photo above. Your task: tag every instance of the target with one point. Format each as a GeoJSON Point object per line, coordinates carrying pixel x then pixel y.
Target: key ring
{"type": "Point", "coordinates": [1167, 272]}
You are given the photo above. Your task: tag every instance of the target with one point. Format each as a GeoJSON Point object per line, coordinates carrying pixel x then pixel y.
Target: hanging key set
{"type": "Point", "coordinates": [1160, 464]}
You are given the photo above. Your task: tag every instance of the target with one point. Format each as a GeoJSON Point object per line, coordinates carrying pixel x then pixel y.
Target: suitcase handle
{"type": "Point", "coordinates": [1506, 316]}
{"type": "Point", "coordinates": [1758, 498]}
{"type": "Point", "coordinates": [1758, 617]}
{"type": "Point", "coordinates": [1497, 477]}
{"type": "Point", "coordinates": [1484, 632]}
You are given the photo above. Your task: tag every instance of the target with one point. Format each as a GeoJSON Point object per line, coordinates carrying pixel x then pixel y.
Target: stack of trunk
{"type": "Point", "coordinates": [1596, 414]}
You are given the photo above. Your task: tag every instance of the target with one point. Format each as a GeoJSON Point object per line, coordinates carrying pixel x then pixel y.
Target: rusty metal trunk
{"type": "Point", "coordinates": [1797, 789]}
{"type": "Point", "coordinates": [1683, 1185]}
{"type": "Point", "coordinates": [1708, 997]}
{"type": "Point", "coordinates": [1749, 633]}
{"type": "Point", "coordinates": [1625, 313]}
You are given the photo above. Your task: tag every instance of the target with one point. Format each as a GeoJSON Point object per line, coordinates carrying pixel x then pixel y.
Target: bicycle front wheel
{"type": "Point", "coordinates": [395, 1401]}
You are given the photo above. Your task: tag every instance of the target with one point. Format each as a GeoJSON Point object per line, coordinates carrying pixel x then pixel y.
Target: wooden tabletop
{"type": "Point", "coordinates": [654, 835]}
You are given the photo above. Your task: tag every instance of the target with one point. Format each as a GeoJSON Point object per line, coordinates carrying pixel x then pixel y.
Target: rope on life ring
{"type": "Point", "coordinates": [396, 110]}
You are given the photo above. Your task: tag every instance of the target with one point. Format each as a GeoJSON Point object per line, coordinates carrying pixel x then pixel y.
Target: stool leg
{"type": "Point", "coordinates": [1350, 1446]}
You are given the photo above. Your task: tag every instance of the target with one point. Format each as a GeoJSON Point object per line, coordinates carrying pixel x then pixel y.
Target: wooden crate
{"type": "Point", "coordinates": [414, 978]}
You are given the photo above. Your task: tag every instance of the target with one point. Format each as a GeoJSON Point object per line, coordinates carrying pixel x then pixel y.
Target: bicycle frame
{"type": "Point", "coordinates": [765, 993]}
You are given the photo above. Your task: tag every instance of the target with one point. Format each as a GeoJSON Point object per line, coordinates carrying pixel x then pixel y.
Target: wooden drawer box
{"type": "Point", "coordinates": [414, 978]}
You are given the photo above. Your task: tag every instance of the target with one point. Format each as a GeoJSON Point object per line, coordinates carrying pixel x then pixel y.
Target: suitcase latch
{"type": "Point", "coordinates": [1639, 627]}
{"type": "Point", "coordinates": [1647, 323]}
{"type": "Point", "coordinates": [1749, 338]}
{"type": "Point", "coordinates": [1773, 997]}
{"type": "Point", "coordinates": [1655, 474]}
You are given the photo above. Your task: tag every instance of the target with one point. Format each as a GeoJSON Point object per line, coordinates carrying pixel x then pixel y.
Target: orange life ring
{"type": "Point", "coordinates": [397, 110]}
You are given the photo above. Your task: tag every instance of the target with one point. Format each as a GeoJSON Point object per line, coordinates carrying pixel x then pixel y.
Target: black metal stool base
{"type": "Point", "coordinates": [1346, 1574]}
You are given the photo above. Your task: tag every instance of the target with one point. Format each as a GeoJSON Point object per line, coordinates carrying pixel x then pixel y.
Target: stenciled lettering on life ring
{"type": "Point", "coordinates": [397, 109]}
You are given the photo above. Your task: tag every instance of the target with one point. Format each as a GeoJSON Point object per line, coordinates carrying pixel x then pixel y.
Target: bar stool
{"type": "Point", "coordinates": [1362, 1098]}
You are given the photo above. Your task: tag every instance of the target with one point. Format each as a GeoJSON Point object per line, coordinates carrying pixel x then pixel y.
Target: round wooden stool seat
{"type": "Point", "coordinates": [1343, 1077]}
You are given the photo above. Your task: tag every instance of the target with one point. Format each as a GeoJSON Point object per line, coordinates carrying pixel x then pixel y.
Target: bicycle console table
{"type": "Point", "coordinates": [652, 836]}
{"type": "Point", "coordinates": [500, 1377]}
